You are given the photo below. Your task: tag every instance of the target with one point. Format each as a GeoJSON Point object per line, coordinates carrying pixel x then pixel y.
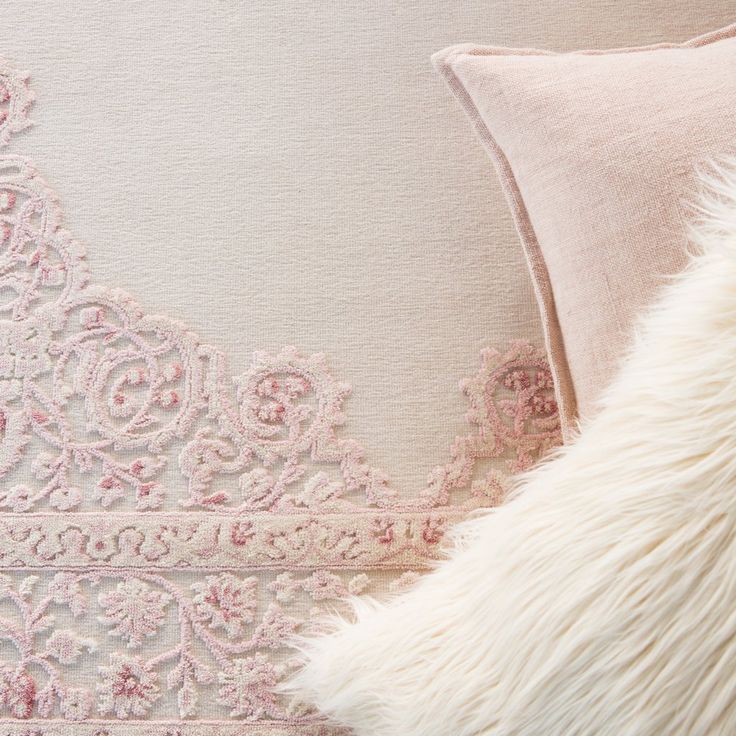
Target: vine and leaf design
{"type": "Point", "coordinates": [215, 639]}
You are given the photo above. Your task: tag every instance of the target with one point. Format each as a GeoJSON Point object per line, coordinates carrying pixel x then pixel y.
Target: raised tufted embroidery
{"type": "Point", "coordinates": [166, 528]}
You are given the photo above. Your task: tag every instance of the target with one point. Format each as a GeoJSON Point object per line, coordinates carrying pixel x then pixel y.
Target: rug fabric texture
{"type": "Point", "coordinates": [601, 598]}
{"type": "Point", "coordinates": [167, 524]}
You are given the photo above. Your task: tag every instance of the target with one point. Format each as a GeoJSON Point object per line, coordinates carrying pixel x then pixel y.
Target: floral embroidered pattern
{"type": "Point", "coordinates": [135, 610]}
{"type": "Point", "coordinates": [127, 687]}
{"type": "Point", "coordinates": [15, 99]}
{"type": "Point", "coordinates": [180, 728]}
{"type": "Point", "coordinates": [247, 687]}
{"type": "Point", "coordinates": [165, 529]}
{"type": "Point", "coordinates": [136, 607]}
{"type": "Point", "coordinates": [226, 601]}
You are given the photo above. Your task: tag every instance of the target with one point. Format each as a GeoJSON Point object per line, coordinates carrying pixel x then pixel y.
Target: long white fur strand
{"type": "Point", "coordinates": [600, 600]}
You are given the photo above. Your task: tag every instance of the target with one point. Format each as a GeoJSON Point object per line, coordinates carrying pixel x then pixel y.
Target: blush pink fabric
{"type": "Point", "coordinates": [598, 154]}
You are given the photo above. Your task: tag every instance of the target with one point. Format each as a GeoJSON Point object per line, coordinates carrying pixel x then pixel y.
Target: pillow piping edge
{"type": "Point", "coordinates": [564, 389]}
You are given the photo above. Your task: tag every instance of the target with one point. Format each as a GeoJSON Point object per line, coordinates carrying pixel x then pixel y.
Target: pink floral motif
{"type": "Point", "coordinates": [135, 610]}
{"type": "Point", "coordinates": [241, 533]}
{"type": "Point", "coordinates": [127, 687]}
{"type": "Point", "coordinates": [247, 688]}
{"type": "Point", "coordinates": [275, 628]}
{"type": "Point", "coordinates": [284, 587]}
{"type": "Point", "coordinates": [512, 406]}
{"type": "Point", "coordinates": [17, 691]}
{"type": "Point", "coordinates": [226, 601]}
{"type": "Point", "coordinates": [76, 704]}
{"type": "Point", "coordinates": [323, 585]}
{"type": "Point", "coordinates": [18, 498]}
{"type": "Point", "coordinates": [15, 99]}
{"type": "Point", "coordinates": [433, 529]}
{"type": "Point", "coordinates": [491, 488]}
{"type": "Point", "coordinates": [66, 646]}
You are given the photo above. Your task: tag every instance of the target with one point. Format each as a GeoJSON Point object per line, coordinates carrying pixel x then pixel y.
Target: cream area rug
{"type": "Point", "coordinates": [167, 527]}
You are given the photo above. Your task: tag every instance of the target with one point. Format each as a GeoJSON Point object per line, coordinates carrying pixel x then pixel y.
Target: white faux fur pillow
{"type": "Point", "coordinates": [601, 599]}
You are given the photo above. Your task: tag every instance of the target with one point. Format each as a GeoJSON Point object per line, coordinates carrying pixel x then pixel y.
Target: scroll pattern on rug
{"type": "Point", "coordinates": [166, 528]}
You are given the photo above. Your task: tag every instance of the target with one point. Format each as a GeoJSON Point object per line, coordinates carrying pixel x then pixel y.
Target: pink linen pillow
{"type": "Point", "coordinates": [597, 152]}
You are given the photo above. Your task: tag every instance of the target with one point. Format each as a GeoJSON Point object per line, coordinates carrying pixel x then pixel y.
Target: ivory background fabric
{"type": "Point", "coordinates": [598, 153]}
{"type": "Point", "coordinates": [267, 175]}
